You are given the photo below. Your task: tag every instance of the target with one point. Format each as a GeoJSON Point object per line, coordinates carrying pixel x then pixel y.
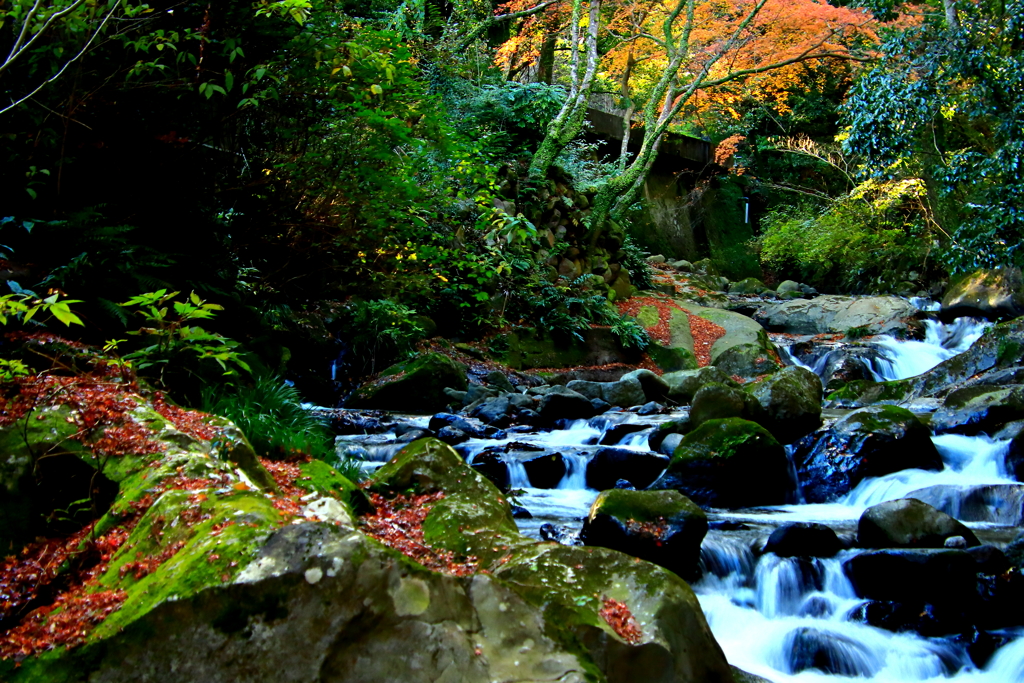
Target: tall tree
{"type": "Point", "coordinates": [673, 57]}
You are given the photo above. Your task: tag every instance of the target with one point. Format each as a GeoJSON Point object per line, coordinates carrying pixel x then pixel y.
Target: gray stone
{"type": "Point", "coordinates": [908, 523]}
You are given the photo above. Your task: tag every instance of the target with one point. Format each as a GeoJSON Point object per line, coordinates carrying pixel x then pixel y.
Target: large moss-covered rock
{"type": "Point", "coordinates": [716, 401]}
{"type": "Point", "coordinates": [729, 463]}
{"type": "Point", "coordinates": [414, 386]}
{"type": "Point", "coordinates": [868, 442]}
{"type": "Point", "coordinates": [625, 392]}
{"type": "Point", "coordinates": [530, 348]}
{"type": "Point", "coordinates": [325, 604]}
{"type": "Point", "coordinates": [996, 294]}
{"type": "Point", "coordinates": [569, 586]}
{"type": "Point", "coordinates": [908, 523]}
{"type": "Point", "coordinates": [573, 586]}
{"type": "Point", "coordinates": [663, 527]}
{"type": "Point", "coordinates": [788, 403]}
{"type": "Point", "coordinates": [750, 285]}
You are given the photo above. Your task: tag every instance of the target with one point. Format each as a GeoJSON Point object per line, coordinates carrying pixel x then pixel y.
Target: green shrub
{"type": "Point", "coordinates": [270, 413]}
{"type": "Point", "coordinates": [382, 330]}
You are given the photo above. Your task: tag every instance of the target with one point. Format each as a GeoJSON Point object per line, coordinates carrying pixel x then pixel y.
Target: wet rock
{"type": "Point", "coordinates": [750, 285]}
{"type": "Point", "coordinates": [748, 361]}
{"type": "Point", "coordinates": [825, 314]}
{"type": "Point", "coordinates": [650, 408]}
{"type": "Point", "coordinates": [683, 385]}
{"type": "Point", "coordinates": [989, 559]}
{"type": "Point", "coordinates": [715, 401]}
{"type": "Point", "coordinates": [544, 469]}
{"type": "Point", "coordinates": [452, 435]}
{"type": "Point", "coordinates": [729, 463]}
{"type": "Point", "coordinates": [624, 393]}
{"type": "Point", "coordinates": [498, 380]}
{"type": "Point", "coordinates": [979, 409]}
{"type": "Point", "coordinates": [941, 577]}
{"type": "Point", "coordinates": [866, 443]}
{"type": "Point", "coordinates": [491, 465]}
{"type": "Point", "coordinates": [1014, 458]}
{"type": "Point", "coordinates": [669, 444]}
{"type": "Point", "coordinates": [996, 294]}
{"type": "Point", "coordinates": [803, 539]}
{"type": "Point", "coordinates": [992, 503]}
{"type": "Point", "coordinates": [473, 428]}
{"type": "Point", "coordinates": [561, 403]}
{"type": "Point", "coordinates": [413, 386]}
{"type": "Point", "coordinates": [640, 468]}
{"type": "Point", "coordinates": [830, 653]}
{"type": "Point", "coordinates": [908, 523]}
{"type": "Point", "coordinates": [663, 527]}
{"type": "Point", "coordinates": [616, 433]}
{"type": "Point", "coordinates": [654, 387]}
{"type": "Point", "coordinates": [788, 404]}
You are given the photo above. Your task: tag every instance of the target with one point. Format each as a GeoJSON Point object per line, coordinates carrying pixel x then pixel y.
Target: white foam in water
{"type": "Point", "coordinates": [903, 359]}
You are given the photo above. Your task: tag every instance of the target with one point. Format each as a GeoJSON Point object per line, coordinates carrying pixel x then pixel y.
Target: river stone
{"type": "Point", "coordinates": [639, 468]}
{"type": "Point", "coordinates": [868, 442]}
{"type": "Point", "coordinates": [787, 286]}
{"type": "Point", "coordinates": [750, 285]}
{"type": "Point", "coordinates": [683, 385]}
{"type": "Point", "coordinates": [561, 403]}
{"type": "Point", "coordinates": [992, 503]}
{"type": "Point", "coordinates": [544, 469]}
{"type": "Point", "coordinates": [1014, 458]}
{"type": "Point", "coordinates": [491, 465]}
{"type": "Point", "coordinates": [932, 576]}
{"type": "Point", "coordinates": [908, 523]}
{"type": "Point", "coordinates": [655, 388]}
{"type": "Point", "coordinates": [803, 539]}
{"type": "Point", "coordinates": [996, 294]}
{"type": "Point", "coordinates": [978, 409]}
{"type": "Point", "coordinates": [729, 463]}
{"type": "Point", "coordinates": [624, 393]}
{"type": "Point", "coordinates": [788, 404]}
{"type": "Point", "coordinates": [413, 386]}
{"type": "Point", "coordinates": [822, 651]}
{"type": "Point", "coordinates": [471, 427]}
{"type": "Point", "coordinates": [831, 314]}
{"type": "Point", "coordinates": [663, 527]}
{"type": "Point", "coordinates": [747, 361]}
{"type": "Point", "coordinates": [717, 401]}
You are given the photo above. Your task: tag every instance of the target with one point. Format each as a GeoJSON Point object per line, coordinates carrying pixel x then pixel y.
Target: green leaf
{"type": "Point", "coordinates": [229, 80]}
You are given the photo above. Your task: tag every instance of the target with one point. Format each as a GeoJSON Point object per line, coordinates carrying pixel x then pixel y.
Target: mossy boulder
{"type": "Point", "coordinates": [979, 409]}
{"type": "Point", "coordinates": [748, 361]}
{"type": "Point", "coordinates": [715, 401]}
{"type": "Point", "coordinates": [729, 463]}
{"type": "Point", "coordinates": [569, 586]}
{"type": "Point", "coordinates": [868, 442]}
{"type": "Point", "coordinates": [625, 392]}
{"type": "Point", "coordinates": [413, 386]}
{"type": "Point", "coordinates": [996, 294]}
{"type": "Point", "coordinates": [663, 527]}
{"type": "Point", "coordinates": [352, 610]}
{"type": "Point", "coordinates": [787, 403]}
{"type": "Point", "coordinates": [909, 523]}
{"type": "Point", "coordinates": [750, 285]}
{"type": "Point", "coordinates": [573, 586]}
{"type": "Point", "coordinates": [683, 385]}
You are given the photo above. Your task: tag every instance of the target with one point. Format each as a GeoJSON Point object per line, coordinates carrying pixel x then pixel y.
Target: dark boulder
{"type": "Point", "coordinates": [868, 442]}
{"type": "Point", "coordinates": [996, 294]}
{"type": "Point", "coordinates": [908, 523]}
{"type": "Point", "coordinates": [561, 403]}
{"type": "Point", "coordinates": [729, 463]}
{"type": "Point", "coordinates": [640, 468]}
{"type": "Point", "coordinates": [491, 465]}
{"type": "Point", "coordinates": [663, 527]}
{"type": "Point", "coordinates": [787, 404]}
{"type": "Point", "coordinates": [803, 539]}
{"type": "Point", "coordinates": [413, 386]}
{"type": "Point", "coordinates": [944, 578]}
{"type": "Point", "coordinates": [715, 401]}
{"type": "Point", "coordinates": [544, 469]}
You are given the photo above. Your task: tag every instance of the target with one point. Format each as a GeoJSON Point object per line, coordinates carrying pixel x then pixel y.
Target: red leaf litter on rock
{"type": "Point", "coordinates": [398, 524]}
{"type": "Point", "coordinates": [621, 620]}
{"type": "Point", "coordinates": [705, 333]}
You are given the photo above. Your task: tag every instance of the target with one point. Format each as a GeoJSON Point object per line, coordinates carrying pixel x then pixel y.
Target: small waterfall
{"type": "Point", "coordinates": [902, 359]}
{"type": "Point", "coordinates": [575, 471]}
{"type": "Point", "coordinates": [517, 477]}
{"type": "Point", "coordinates": [637, 439]}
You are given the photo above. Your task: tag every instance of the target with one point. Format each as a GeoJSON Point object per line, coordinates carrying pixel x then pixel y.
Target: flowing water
{"type": "Point", "coordinates": [794, 619]}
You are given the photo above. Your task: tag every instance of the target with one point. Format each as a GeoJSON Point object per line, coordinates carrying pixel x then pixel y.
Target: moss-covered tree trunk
{"type": "Point", "coordinates": [569, 121]}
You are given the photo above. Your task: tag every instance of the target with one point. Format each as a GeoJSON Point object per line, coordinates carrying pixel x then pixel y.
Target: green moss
{"type": "Point", "coordinates": [877, 419]}
{"type": "Point", "coordinates": [644, 506]}
{"type": "Point", "coordinates": [648, 316]}
{"type": "Point", "coordinates": [672, 359]}
{"type": "Point", "coordinates": [723, 439]}
{"type": "Point", "coordinates": [320, 477]}
{"type": "Point", "coordinates": [205, 560]}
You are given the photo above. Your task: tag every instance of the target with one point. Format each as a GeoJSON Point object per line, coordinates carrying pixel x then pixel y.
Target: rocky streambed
{"type": "Point", "coordinates": [865, 530]}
